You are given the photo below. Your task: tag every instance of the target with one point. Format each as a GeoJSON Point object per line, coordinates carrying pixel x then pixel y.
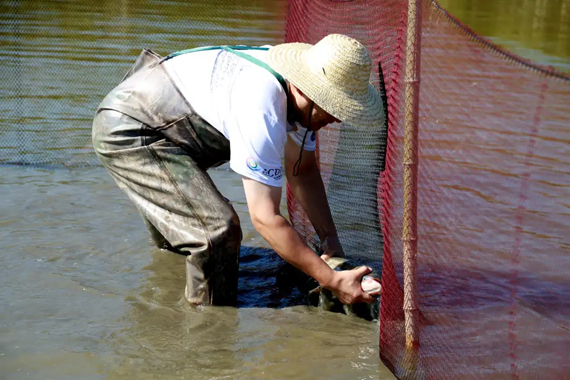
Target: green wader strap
{"type": "Point", "coordinates": [236, 51]}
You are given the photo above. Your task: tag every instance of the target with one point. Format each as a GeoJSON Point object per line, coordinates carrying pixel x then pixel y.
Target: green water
{"type": "Point", "coordinates": [534, 29]}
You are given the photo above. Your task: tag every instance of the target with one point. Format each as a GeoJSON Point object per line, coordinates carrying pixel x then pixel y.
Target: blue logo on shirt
{"type": "Point", "coordinates": [273, 173]}
{"type": "Point", "coordinates": [313, 136]}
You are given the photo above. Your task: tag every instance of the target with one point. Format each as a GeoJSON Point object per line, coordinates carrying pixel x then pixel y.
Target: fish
{"type": "Point", "coordinates": [324, 299]}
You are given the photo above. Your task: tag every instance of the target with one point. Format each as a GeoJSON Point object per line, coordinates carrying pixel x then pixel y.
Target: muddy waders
{"type": "Point", "coordinates": [157, 149]}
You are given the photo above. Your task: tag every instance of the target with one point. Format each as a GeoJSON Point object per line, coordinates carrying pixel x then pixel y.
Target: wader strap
{"type": "Point", "coordinates": [236, 51]}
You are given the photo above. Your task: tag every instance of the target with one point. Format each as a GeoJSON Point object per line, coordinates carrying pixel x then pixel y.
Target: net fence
{"type": "Point", "coordinates": [60, 59]}
{"type": "Point", "coordinates": [492, 195]}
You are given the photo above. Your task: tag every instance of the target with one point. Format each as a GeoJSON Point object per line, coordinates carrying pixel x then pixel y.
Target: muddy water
{"type": "Point", "coordinates": [84, 293]}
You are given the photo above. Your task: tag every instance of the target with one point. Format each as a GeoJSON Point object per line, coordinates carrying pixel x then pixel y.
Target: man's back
{"type": "Point", "coordinates": [244, 102]}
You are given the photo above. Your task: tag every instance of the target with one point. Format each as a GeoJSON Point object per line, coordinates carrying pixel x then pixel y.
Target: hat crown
{"type": "Point", "coordinates": [335, 74]}
{"type": "Point", "coordinates": [342, 61]}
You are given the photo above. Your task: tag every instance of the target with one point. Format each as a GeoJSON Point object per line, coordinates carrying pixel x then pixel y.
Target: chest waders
{"type": "Point", "coordinates": [157, 149]}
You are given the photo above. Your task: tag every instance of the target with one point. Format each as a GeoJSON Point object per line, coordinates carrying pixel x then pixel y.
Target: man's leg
{"type": "Point", "coordinates": [156, 237]}
{"type": "Point", "coordinates": [179, 201]}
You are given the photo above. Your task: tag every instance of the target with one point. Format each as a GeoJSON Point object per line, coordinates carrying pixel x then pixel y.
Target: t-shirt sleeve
{"type": "Point", "coordinates": [258, 136]}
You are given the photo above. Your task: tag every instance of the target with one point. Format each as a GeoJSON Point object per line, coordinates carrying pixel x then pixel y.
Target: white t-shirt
{"type": "Point", "coordinates": [244, 102]}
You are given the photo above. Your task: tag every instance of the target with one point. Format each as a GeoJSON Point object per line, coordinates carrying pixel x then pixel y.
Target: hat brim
{"type": "Point", "coordinates": [362, 110]}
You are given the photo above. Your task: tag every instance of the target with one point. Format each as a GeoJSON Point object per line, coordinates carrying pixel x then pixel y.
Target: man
{"type": "Point", "coordinates": [172, 118]}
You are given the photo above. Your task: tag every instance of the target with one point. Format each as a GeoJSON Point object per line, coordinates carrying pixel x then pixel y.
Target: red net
{"type": "Point", "coordinates": [493, 195]}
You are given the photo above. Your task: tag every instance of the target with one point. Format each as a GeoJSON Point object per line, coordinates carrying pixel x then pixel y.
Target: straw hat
{"type": "Point", "coordinates": [335, 74]}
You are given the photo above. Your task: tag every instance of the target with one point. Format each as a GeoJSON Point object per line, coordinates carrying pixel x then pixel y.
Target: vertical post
{"type": "Point", "coordinates": [412, 92]}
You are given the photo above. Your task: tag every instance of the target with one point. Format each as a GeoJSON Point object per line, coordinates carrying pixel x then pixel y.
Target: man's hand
{"type": "Point", "coordinates": [346, 286]}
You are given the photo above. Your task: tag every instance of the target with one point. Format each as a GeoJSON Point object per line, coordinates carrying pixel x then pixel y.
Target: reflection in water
{"type": "Point", "coordinates": [521, 25]}
{"type": "Point", "coordinates": [166, 336]}
{"type": "Point", "coordinates": [60, 58]}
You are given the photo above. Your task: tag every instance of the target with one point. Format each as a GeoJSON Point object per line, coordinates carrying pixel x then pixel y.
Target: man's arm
{"type": "Point", "coordinates": [309, 191]}
{"type": "Point", "coordinates": [263, 203]}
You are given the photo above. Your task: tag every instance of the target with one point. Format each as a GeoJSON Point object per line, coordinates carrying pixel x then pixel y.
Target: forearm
{"type": "Point", "coordinates": [287, 243]}
{"type": "Point", "coordinates": [309, 192]}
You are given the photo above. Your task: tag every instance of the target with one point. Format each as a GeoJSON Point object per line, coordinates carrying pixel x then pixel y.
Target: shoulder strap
{"type": "Point", "coordinates": [237, 51]}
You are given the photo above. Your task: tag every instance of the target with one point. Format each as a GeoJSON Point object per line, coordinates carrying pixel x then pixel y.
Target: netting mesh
{"type": "Point", "coordinates": [60, 59]}
{"type": "Point", "coordinates": [350, 158]}
{"type": "Point", "coordinates": [492, 212]}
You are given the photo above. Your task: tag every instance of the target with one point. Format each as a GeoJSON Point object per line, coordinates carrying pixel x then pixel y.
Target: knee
{"type": "Point", "coordinates": [97, 133]}
{"type": "Point", "coordinates": [228, 229]}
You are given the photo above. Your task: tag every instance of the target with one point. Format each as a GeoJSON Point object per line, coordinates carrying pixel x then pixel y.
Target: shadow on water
{"type": "Point", "coordinates": [265, 280]}
{"type": "Point", "coordinates": [266, 336]}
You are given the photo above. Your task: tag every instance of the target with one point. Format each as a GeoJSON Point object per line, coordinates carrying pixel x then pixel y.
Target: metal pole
{"type": "Point", "coordinates": [412, 92]}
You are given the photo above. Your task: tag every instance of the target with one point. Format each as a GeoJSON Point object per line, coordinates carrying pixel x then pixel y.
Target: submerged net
{"type": "Point", "coordinates": [493, 190]}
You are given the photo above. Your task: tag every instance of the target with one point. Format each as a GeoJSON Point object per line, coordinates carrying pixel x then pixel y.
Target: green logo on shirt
{"type": "Point", "coordinates": [252, 165]}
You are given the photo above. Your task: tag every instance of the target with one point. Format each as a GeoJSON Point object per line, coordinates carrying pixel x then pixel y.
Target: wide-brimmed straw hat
{"type": "Point", "coordinates": [335, 74]}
